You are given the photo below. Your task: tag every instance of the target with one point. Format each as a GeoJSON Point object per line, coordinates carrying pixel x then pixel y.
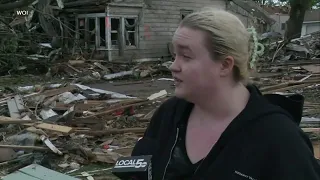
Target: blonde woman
{"type": "Point", "coordinates": [218, 126]}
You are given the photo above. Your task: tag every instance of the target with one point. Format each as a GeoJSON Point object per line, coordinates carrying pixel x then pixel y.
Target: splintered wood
{"type": "Point", "coordinates": [55, 128]}
{"type": "Point", "coordinates": [121, 105]}
{"type": "Point", "coordinates": [112, 131]}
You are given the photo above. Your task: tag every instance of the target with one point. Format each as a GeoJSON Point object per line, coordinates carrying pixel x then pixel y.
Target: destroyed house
{"type": "Point", "coordinates": [128, 30]}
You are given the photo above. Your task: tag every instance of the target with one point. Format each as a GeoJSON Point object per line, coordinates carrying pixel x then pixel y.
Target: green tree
{"type": "Point", "coordinates": [298, 9]}
{"type": "Point", "coordinates": [266, 2]}
{"type": "Point", "coordinates": [315, 4]}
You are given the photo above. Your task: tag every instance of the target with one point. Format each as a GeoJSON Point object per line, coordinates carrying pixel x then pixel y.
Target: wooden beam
{"type": "Point", "coordinates": [111, 131]}
{"type": "Point", "coordinates": [8, 120]}
{"type": "Point", "coordinates": [56, 128]}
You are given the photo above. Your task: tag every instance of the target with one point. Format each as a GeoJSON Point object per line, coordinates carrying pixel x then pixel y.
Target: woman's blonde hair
{"type": "Point", "coordinates": [228, 37]}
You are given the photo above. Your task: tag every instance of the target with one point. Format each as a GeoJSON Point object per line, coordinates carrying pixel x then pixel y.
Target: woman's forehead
{"type": "Point", "coordinates": [186, 38]}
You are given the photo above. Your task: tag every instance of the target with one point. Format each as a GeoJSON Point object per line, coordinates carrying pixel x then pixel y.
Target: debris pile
{"type": "Point", "coordinates": [84, 71]}
{"type": "Point", "coordinates": [306, 47]}
{"type": "Point", "coordinates": [291, 77]}
{"type": "Point", "coordinates": [293, 68]}
{"type": "Point", "coordinates": [66, 127]}
{"type": "Point", "coordinates": [47, 37]}
{"type": "Point", "coordinates": [29, 43]}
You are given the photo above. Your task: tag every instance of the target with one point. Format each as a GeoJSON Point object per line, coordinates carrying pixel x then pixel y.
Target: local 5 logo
{"type": "Point", "coordinates": [132, 163]}
{"type": "Point", "coordinates": [140, 163]}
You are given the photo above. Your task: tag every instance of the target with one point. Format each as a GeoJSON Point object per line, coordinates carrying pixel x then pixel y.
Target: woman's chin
{"type": "Point", "coordinates": [179, 92]}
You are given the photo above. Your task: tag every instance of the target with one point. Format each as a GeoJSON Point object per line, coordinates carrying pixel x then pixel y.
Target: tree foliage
{"type": "Point", "coordinates": [315, 4]}
{"type": "Point", "coordinates": [297, 12]}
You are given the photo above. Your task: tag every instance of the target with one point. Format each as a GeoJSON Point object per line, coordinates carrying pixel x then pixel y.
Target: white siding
{"type": "Point", "coordinates": [159, 22]}
{"type": "Point", "coordinates": [310, 27]}
{"type": "Point", "coordinates": [280, 20]}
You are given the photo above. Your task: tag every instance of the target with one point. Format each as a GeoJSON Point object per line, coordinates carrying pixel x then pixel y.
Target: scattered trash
{"type": "Point", "coordinates": [50, 145]}
{"type": "Point", "coordinates": [74, 165]}
{"type": "Point", "coordinates": [160, 94]}
{"type": "Point", "coordinates": [76, 124]}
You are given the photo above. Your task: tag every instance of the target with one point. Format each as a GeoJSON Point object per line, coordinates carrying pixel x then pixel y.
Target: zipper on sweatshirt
{"type": "Point", "coordinates": [175, 142]}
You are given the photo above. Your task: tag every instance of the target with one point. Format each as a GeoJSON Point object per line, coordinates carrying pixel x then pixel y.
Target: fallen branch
{"type": "Point", "coordinates": [111, 131]}
{"type": "Point", "coordinates": [277, 51]}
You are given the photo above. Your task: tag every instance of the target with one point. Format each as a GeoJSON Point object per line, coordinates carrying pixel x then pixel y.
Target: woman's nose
{"type": "Point", "coordinates": [174, 67]}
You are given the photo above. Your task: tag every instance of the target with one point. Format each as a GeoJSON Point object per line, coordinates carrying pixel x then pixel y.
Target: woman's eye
{"type": "Point", "coordinates": [186, 57]}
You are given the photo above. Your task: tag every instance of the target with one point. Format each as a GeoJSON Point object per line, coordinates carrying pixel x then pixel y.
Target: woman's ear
{"type": "Point", "coordinates": [226, 66]}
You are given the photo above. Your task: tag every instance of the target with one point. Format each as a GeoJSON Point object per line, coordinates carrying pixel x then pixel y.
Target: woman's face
{"type": "Point", "coordinates": [194, 70]}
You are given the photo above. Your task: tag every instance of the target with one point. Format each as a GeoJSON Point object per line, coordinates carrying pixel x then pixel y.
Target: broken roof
{"type": "Point", "coordinates": [276, 9]}
{"type": "Point", "coordinates": [254, 9]}
{"type": "Point", "coordinates": [312, 15]}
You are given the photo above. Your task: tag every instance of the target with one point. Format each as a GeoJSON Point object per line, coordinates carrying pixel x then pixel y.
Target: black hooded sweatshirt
{"type": "Point", "coordinates": [264, 142]}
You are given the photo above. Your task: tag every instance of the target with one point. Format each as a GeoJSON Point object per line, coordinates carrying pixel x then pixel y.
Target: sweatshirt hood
{"type": "Point", "coordinates": [258, 105]}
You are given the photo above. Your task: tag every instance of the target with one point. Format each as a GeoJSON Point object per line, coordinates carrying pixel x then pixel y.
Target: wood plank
{"type": "Point", "coordinates": [79, 107]}
{"type": "Point", "coordinates": [287, 88]}
{"type": "Point", "coordinates": [113, 109]}
{"type": "Point", "coordinates": [311, 130]}
{"type": "Point", "coordinates": [8, 120]}
{"type": "Point", "coordinates": [53, 92]}
{"type": "Point", "coordinates": [111, 131]}
{"type": "Point", "coordinates": [44, 173]}
{"type": "Point", "coordinates": [37, 172]}
{"type": "Point", "coordinates": [13, 109]}
{"type": "Point", "coordinates": [19, 103]}
{"type": "Point", "coordinates": [19, 175]}
{"type": "Point", "coordinates": [53, 127]}
{"type": "Point", "coordinates": [25, 147]}
{"type": "Point", "coordinates": [312, 68]}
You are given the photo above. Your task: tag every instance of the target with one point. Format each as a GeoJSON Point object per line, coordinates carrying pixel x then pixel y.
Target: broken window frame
{"type": "Point", "coordinates": [97, 17]}
{"type": "Point", "coordinates": [122, 24]}
{"type": "Point", "coordinates": [135, 32]}
{"type": "Point", "coordinates": [114, 32]}
{"type": "Point", "coordinates": [89, 35]}
{"type": "Point", "coordinates": [184, 13]}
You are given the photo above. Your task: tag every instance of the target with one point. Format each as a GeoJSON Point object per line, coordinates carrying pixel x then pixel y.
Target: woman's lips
{"type": "Point", "coordinates": [177, 81]}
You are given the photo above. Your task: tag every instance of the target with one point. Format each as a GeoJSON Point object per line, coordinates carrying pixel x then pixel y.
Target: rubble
{"type": "Point", "coordinates": [45, 42]}
{"type": "Point", "coordinates": [306, 47]}
{"type": "Point", "coordinates": [76, 124]}
{"type": "Point", "coordinates": [70, 127]}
